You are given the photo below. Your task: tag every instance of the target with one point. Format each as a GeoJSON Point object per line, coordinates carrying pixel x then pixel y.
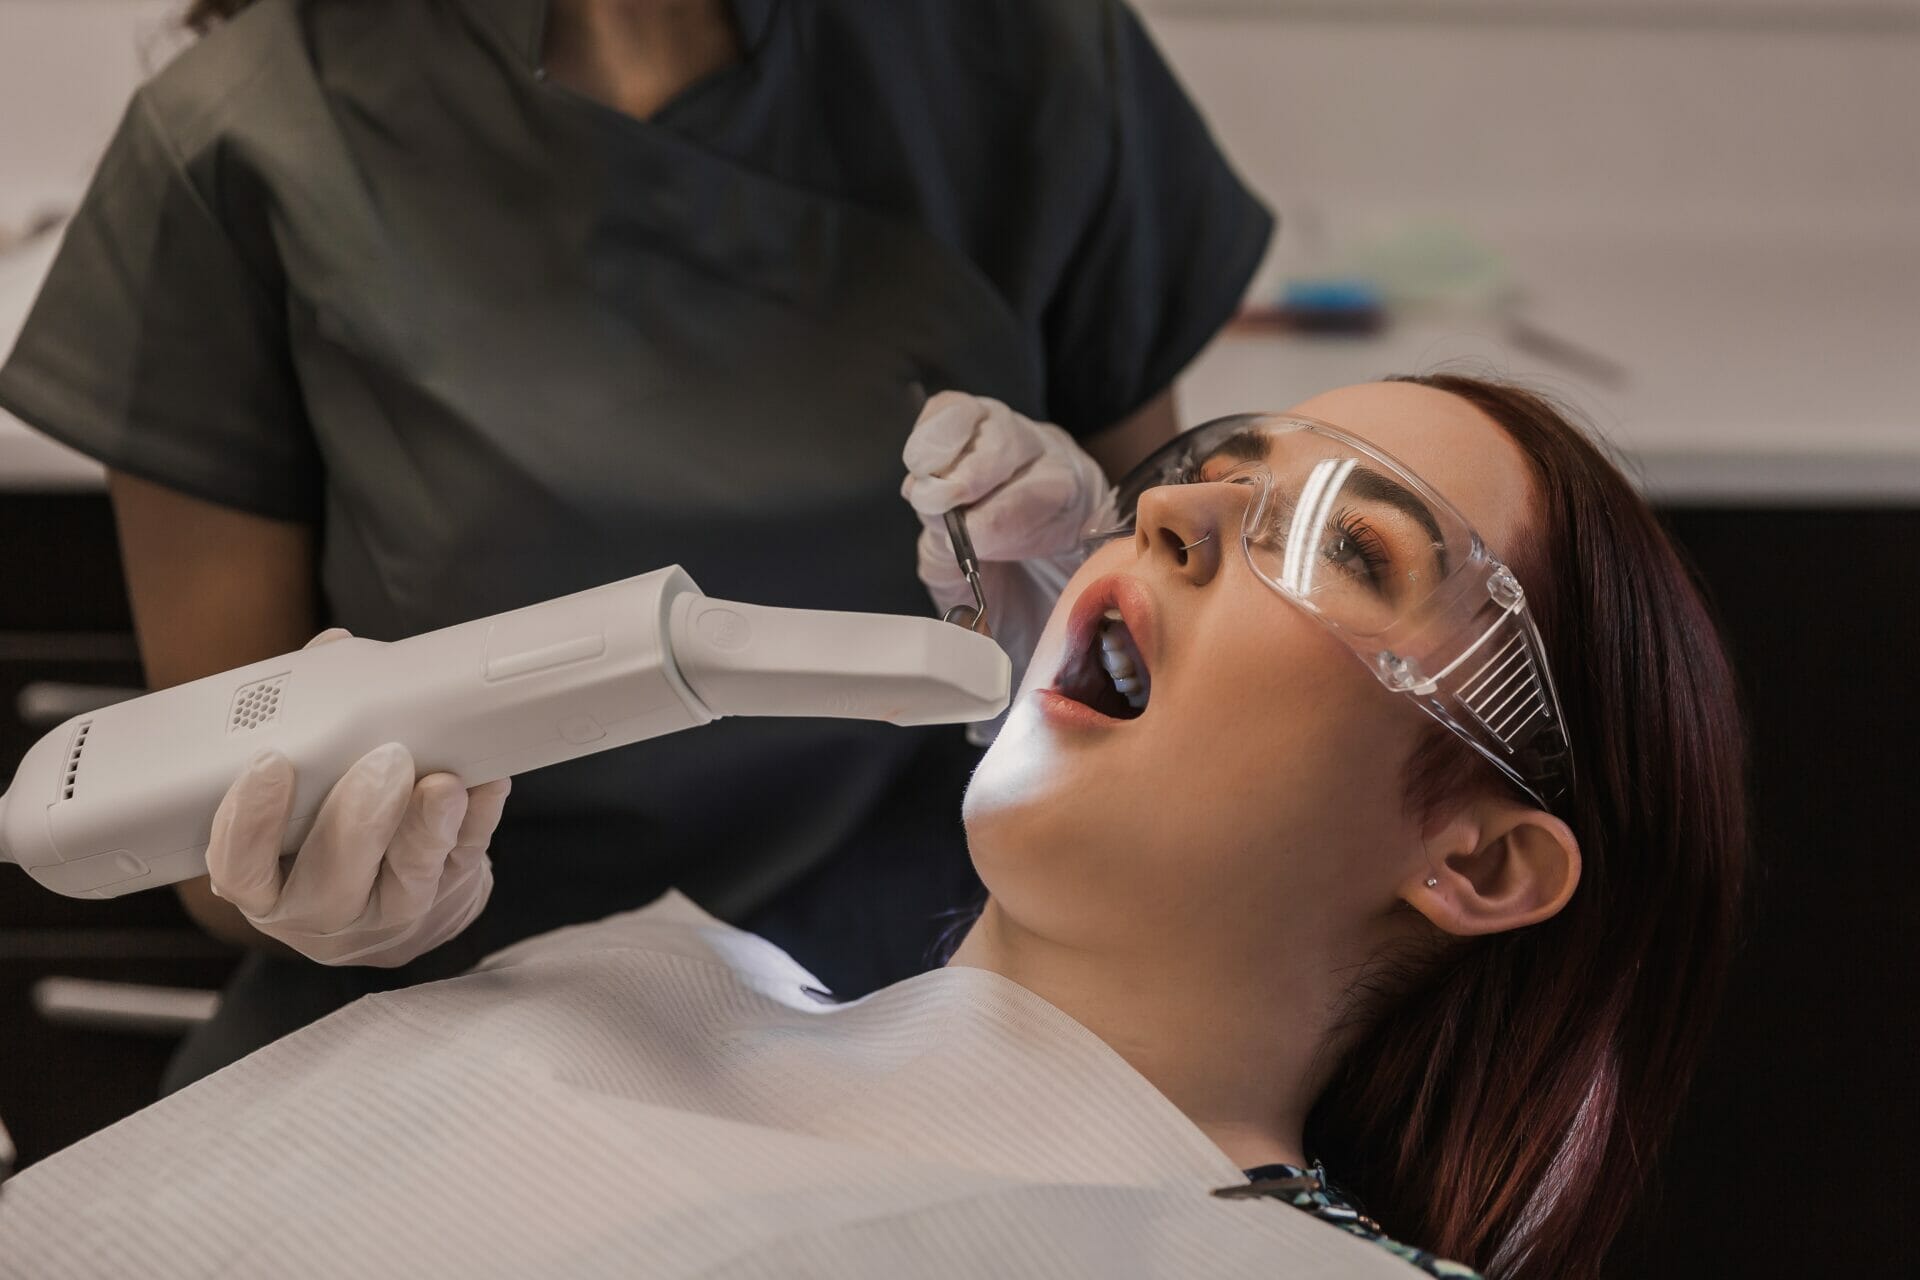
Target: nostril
{"type": "Point", "coordinates": [1177, 545]}
{"type": "Point", "coordinates": [1180, 547]}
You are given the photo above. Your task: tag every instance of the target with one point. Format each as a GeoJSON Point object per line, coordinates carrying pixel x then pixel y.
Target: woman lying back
{"type": "Point", "coordinates": [1330, 927]}
{"type": "Point", "coordinates": [1373, 798]}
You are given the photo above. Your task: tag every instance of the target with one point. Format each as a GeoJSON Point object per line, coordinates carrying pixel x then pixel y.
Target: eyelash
{"type": "Point", "coordinates": [1368, 544]}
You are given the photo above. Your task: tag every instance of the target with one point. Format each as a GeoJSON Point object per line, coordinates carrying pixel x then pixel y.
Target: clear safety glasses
{"type": "Point", "coordinates": [1358, 541]}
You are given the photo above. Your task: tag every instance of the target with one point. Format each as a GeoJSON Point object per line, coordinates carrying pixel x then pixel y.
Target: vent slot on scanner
{"type": "Point", "coordinates": [256, 704]}
{"type": "Point", "coordinates": [73, 759]}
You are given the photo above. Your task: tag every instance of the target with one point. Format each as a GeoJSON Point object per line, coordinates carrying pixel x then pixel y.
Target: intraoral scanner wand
{"type": "Point", "coordinates": [123, 798]}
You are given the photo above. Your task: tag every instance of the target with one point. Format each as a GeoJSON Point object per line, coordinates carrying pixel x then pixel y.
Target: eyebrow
{"type": "Point", "coordinates": [1245, 445]}
{"type": "Point", "coordinates": [1249, 444]}
{"type": "Point", "coordinates": [1365, 482]}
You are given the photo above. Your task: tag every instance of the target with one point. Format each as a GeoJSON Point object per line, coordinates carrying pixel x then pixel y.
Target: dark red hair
{"type": "Point", "coordinates": [1502, 1107]}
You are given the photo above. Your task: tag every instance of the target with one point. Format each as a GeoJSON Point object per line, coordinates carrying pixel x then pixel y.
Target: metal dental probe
{"type": "Point", "coordinates": [974, 616]}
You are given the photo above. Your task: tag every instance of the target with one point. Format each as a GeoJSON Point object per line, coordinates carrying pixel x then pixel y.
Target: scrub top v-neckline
{"type": "Point", "coordinates": [525, 34]}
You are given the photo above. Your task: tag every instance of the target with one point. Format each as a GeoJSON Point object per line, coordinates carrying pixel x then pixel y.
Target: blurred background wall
{"type": "Point", "coordinates": [1719, 198]}
{"type": "Point", "coordinates": [1698, 221]}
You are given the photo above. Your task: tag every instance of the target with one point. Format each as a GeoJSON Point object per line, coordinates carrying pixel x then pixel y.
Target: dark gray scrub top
{"type": "Point", "coordinates": [360, 265]}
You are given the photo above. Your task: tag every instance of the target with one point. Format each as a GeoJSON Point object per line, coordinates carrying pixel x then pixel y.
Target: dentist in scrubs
{"type": "Point", "coordinates": [390, 314]}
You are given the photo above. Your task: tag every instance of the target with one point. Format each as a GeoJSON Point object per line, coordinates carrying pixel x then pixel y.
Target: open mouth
{"type": "Point", "coordinates": [1106, 671]}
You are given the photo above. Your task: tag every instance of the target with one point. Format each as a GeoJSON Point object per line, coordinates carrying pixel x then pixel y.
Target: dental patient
{"type": "Point", "coordinates": [1363, 848]}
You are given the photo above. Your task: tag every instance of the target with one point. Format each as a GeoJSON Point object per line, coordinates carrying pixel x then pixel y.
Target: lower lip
{"type": "Point", "coordinates": [1059, 709]}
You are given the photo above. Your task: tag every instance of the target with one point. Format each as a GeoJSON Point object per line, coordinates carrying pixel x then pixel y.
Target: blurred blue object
{"type": "Point", "coordinates": [1336, 304]}
{"type": "Point", "coordinates": [1349, 293]}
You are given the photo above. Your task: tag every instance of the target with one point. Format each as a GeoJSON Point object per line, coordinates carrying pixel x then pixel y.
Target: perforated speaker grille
{"type": "Point", "coordinates": [73, 759]}
{"type": "Point", "coordinates": [256, 704]}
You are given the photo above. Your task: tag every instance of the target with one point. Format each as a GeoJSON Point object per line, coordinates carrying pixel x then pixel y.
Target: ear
{"type": "Point", "coordinates": [1498, 865]}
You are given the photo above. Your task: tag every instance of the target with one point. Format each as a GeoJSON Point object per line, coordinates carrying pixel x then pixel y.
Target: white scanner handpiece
{"type": "Point", "coordinates": [752, 660]}
{"type": "Point", "coordinates": [123, 798]}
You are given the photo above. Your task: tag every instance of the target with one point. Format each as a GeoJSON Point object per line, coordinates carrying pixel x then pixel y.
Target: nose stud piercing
{"type": "Point", "coordinates": [1432, 881]}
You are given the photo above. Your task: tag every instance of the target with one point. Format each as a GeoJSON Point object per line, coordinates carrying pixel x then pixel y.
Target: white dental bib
{"type": "Point", "coordinates": [656, 1095]}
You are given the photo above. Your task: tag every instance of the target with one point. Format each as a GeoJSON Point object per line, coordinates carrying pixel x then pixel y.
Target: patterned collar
{"type": "Point", "coordinates": [1307, 1189]}
{"type": "Point", "coordinates": [1310, 1191]}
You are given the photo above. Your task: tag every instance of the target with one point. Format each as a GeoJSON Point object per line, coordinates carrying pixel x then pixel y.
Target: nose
{"type": "Point", "coordinates": [1189, 525]}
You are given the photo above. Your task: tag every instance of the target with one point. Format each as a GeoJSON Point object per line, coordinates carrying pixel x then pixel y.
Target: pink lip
{"type": "Point", "coordinates": [1061, 709]}
{"type": "Point", "coordinates": [1114, 591]}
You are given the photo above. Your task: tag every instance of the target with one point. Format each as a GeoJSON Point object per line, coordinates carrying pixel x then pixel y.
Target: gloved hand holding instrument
{"type": "Point", "coordinates": [392, 867]}
{"type": "Point", "coordinates": [1030, 495]}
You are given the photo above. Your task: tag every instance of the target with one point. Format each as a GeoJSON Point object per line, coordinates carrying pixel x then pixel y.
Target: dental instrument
{"type": "Point", "coordinates": [123, 798]}
{"type": "Point", "coordinates": [974, 616]}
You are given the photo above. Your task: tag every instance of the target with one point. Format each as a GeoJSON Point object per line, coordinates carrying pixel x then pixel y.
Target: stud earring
{"type": "Point", "coordinates": [1432, 881]}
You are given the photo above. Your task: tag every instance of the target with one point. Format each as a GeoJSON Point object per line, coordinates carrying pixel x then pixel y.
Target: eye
{"type": "Point", "coordinates": [1354, 546]}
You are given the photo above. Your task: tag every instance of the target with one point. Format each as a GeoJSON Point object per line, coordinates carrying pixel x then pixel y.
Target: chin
{"type": "Point", "coordinates": [1028, 793]}
{"type": "Point", "coordinates": [1014, 774]}
{"type": "Point", "coordinates": [1027, 765]}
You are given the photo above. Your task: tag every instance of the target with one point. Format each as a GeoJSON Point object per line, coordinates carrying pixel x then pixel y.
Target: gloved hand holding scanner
{"type": "Point", "coordinates": [391, 867]}
{"type": "Point", "coordinates": [131, 796]}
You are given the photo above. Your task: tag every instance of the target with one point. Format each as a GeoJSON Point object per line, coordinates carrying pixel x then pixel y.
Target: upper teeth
{"type": "Point", "coordinates": [1117, 657]}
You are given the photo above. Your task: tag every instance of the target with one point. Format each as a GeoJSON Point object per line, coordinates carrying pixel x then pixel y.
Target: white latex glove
{"type": "Point", "coordinates": [391, 868]}
{"type": "Point", "coordinates": [1032, 494]}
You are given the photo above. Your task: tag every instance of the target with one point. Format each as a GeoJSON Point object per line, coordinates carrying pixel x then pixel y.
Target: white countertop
{"type": "Point", "coordinates": [67, 68]}
{"type": "Point", "coordinates": [1775, 365]}
{"type": "Point", "coordinates": [29, 460]}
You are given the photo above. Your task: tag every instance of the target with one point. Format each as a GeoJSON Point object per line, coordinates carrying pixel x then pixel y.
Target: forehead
{"type": "Point", "coordinates": [1444, 440]}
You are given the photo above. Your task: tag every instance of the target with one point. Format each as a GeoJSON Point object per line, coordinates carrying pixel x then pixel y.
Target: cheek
{"type": "Point", "coordinates": [1284, 744]}
{"type": "Point", "coordinates": [1265, 699]}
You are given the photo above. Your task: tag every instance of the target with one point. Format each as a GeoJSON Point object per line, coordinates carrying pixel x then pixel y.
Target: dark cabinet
{"type": "Point", "coordinates": [64, 622]}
